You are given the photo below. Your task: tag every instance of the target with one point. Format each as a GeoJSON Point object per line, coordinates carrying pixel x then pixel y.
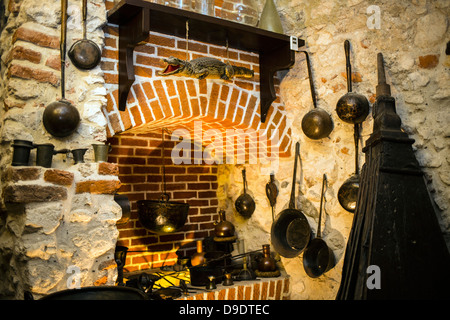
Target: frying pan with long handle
{"type": "Point", "coordinates": [291, 232]}
{"type": "Point", "coordinates": [318, 258]}
{"type": "Point", "coordinates": [85, 54]}
{"type": "Point", "coordinates": [348, 192]}
{"type": "Point", "coordinates": [351, 107]}
{"type": "Point", "coordinates": [61, 118]}
{"type": "Point", "coordinates": [245, 205]}
{"type": "Point", "coordinates": [317, 123]}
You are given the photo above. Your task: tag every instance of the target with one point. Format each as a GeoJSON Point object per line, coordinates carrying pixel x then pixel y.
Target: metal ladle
{"type": "Point", "coordinates": [85, 54]}
{"type": "Point", "coordinates": [317, 123]}
{"type": "Point", "coordinates": [351, 107]}
{"type": "Point", "coordinates": [348, 192]}
{"type": "Point", "coordinates": [61, 118]}
{"type": "Point", "coordinates": [318, 258]}
{"type": "Point", "coordinates": [245, 205]}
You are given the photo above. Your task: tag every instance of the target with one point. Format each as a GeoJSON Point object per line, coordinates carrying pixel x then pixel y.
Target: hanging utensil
{"type": "Point", "coordinates": [291, 232]}
{"type": "Point", "coordinates": [351, 107]}
{"type": "Point", "coordinates": [318, 258]}
{"type": "Point", "coordinates": [272, 193]}
{"type": "Point", "coordinates": [61, 118]}
{"type": "Point", "coordinates": [85, 54]}
{"type": "Point", "coordinates": [348, 192]}
{"type": "Point", "coordinates": [317, 123]}
{"type": "Point", "coordinates": [162, 216]}
{"type": "Point", "coordinates": [244, 204]}
{"type": "Point", "coordinates": [124, 203]}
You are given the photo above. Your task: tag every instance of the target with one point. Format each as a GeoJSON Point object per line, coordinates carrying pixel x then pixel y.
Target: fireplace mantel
{"type": "Point", "coordinates": [136, 18]}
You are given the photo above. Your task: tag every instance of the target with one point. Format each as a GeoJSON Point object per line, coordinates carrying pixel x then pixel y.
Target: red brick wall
{"type": "Point", "coordinates": [155, 102]}
{"type": "Point", "coordinates": [140, 172]}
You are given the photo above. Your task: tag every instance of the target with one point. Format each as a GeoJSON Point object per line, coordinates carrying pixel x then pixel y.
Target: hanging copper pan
{"type": "Point", "coordinates": [318, 258]}
{"type": "Point", "coordinates": [85, 54]}
{"type": "Point", "coordinates": [61, 118]}
{"type": "Point", "coordinates": [352, 107]}
{"type": "Point", "coordinates": [291, 232]}
{"type": "Point", "coordinates": [317, 123]}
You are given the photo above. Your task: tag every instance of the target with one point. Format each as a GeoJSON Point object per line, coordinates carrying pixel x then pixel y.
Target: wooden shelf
{"type": "Point", "coordinates": [136, 18]}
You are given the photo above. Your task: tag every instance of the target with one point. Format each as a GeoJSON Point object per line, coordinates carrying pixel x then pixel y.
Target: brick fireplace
{"type": "Point", "coordinates": [58, 225]}
{"type": "Point", "coordinates": [65, 216]}
{"type": "Point", "coordinates": [156, 102]}
{"type": "Point", "coordinates": [226, 108]}
{"type": "Point", "coordinates": [139, 165]}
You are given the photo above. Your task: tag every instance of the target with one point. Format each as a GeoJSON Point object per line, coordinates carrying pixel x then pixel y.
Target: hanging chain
{"type": "Point", "coordinates": [163, 162]}
{"type": "Point", "coordinates": [228, 54]}
{"type": "Point", "coordinates": [187, 40]}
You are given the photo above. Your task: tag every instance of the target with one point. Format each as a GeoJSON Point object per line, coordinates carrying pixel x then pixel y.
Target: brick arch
{"type": "Point", "coordinates": [155, 102]}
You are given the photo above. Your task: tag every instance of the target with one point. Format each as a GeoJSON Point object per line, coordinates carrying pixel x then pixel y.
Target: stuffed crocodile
{"type": "Point", "coordinates": [204, 67]}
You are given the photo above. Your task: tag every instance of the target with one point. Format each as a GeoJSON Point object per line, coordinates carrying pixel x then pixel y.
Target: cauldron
{"type": "Point", "coordinates": [98, 293]}
{"type": "Point", "coordinates": [162, 216]}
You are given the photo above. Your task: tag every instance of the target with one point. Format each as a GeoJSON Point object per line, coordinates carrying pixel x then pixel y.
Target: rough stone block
{"type": "Point", "coordinates": [44, 216]}
{"type": "Point", "coordinates": [33, 193]}
{"type": "Point", "coordinates": [16, 174]}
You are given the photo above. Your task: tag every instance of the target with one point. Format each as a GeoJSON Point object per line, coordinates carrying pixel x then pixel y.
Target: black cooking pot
{"type": "Point", "coordinates": [199, 275]}
{"type": "Point", "coordinates": [98, 293]}
{"type": "Point", "coordinates": [162, 216]}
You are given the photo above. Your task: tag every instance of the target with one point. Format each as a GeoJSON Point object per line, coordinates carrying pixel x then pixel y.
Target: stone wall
{"type": "Point", "coordinates": [412, 37]}
{"type": "Point", "coordinates": [57, 225]}
{"type": "Point", "coordinates": [61, 229]}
